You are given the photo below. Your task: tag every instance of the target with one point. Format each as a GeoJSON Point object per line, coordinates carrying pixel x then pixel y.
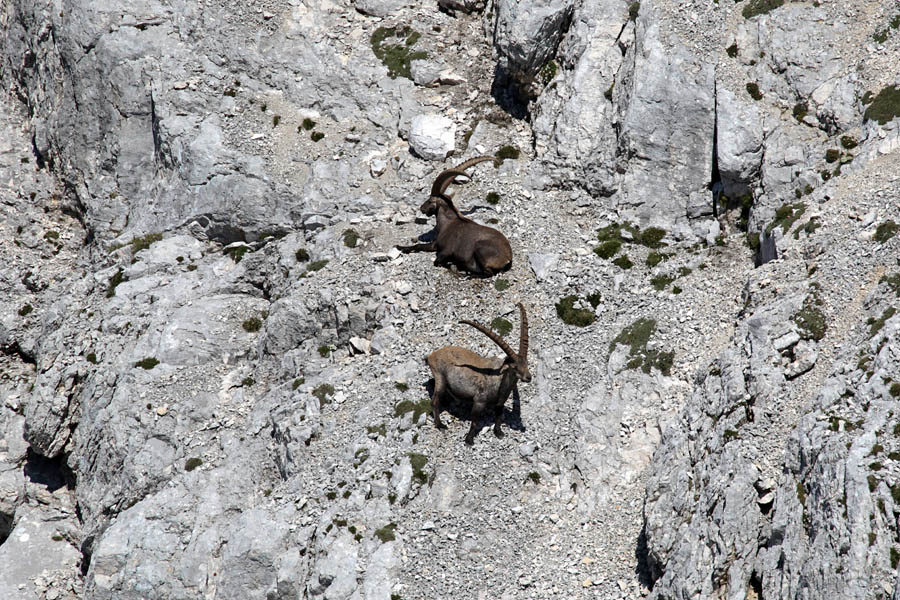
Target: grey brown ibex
{"type": "Point", "coordinates": [486, 381]}
{"type": "Point", "coordinates": [472, 247]}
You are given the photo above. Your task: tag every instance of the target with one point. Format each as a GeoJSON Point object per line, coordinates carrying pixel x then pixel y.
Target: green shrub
{"type": "Point", "coordinates": [894, 390]}
{"type": "Point", "coordinates": [401, 386]}
{"type": "Point", "coordinates": [145, 241]}
{"type": "Point", "coordinates": [302, 255]}
{"type": "Point", "coordinates": [379, 429]}
{"type": "Point", "coordinates": [580, 317]}
{"type": "Point", "coordinates": [892, 281]}
{"type": "Point", "coordinates": [810, 319]}
{"type": "Point", "coordinates": [393, 47]}
{"type": "Point", "coordinates": [732, 50]}
{"type": "Point", "coordinates": [623, 262]}
{"type": "Point", "coordinates": [848, 142]}
{"type": "Point", "coordinates": [237, 253]}
{"type": "Point", "coordinates": [418, 409]}
{"type": "Point", "coordinates": [147, 363]}
{"type": "Point", "coordinates": [660, 282]}
{"type": "Point", "coordinates": [298, 382]}
{"type": "Point", "coordinates": [247, 381]}
{"type": "Point", "coordinates": [895, 557]}
{"type": "Point", "coordinates": [654, 258]}
{"type": "Point", "coordinates": [753, 90]}
{"type": "Point", "coordinates": [501, 285]}
{"type": "Point", "coordinates": [508, 153]}
{"type": "Point", "coordinates": [316, 136]}
{"type": "Point", "coordinates": [92, 358]}
{"type": "Point", "coordinates": [276, 119]}
{"type": "Point", "coordinates": [608, 248]}
{"type": "Point", "coordinates": [875, 325]}
{"type": "Point", "coordinates": [25, 310]}
{"type": "Point", "coordinates": [324, 350]}
{"type": "Point", "coordinates": [492, 198]}
{"type": "Point", "coordinates": [785, 216]}
{"type": "Point", "coordinates": [192, 463]}
{"type": "Point", "coordinates": [317, 265]}
{"type": "Point", "coordinates": [885, 231]}
{"type": "Point", "coordinates": [800, 110]}
{"type": "Point", "coordinates": [308, 124]}
{"type": "Point", "coordinates": [548, 71]}
{"type": "Point", "coordinates": [651, 237]}
{"type": "Point", "coordinates": [351, 238]}
{"type": "Point", "coordinates": [386, 533]}
{"type": "Point", "coordinates": [252, 324]}
{"type": "Point", "coordinates": [832, 154]}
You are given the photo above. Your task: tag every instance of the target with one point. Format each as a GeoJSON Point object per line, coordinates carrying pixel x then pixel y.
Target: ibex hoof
{"type": "Point", "coordinates": [470, 441]}
{"type": "Point", "coordinates": [498, 432]}
{"type": "Point", "coordinates": [440, 425]}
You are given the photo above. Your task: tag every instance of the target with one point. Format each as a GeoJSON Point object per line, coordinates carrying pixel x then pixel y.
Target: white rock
{"type": "Point", "coordinates": [542, 264]}
{"type": "Point", "coordinates": [360, 345]}
{"type": "Point", "coordinates": [432, 136]}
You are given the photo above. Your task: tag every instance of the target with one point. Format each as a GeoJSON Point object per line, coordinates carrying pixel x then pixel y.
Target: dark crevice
{"type": "Point", "coordinates": [715, 180]}
{"type": "Point", "coordinates": [14, 349]}
{"type": "Point", "coordinates": [52, 473]}
{"type": "Point", "coordinates": [643, 569]}
{"type": "Point", "coordinates": [6, 525]}
{"type": "Point", "coordinates": [154, 128]}
{"type": "Point", "coordinates": [756, 585]}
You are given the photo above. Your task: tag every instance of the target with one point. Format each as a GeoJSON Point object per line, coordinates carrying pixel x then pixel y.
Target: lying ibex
{"type": "Point", "coordinates": [470, 246]}
{"type": "Point", "coordinates": [486, 381]}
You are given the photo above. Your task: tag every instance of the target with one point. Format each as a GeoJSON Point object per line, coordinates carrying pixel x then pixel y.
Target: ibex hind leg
{"type": "Point", "coordinates": [439, 387]}
{"type": "Point", "coordinates": [477, 412]}
{"type": "Point", "coordinates": [489, 264]}
{"type": "Point", "coordinates": [498, 418]}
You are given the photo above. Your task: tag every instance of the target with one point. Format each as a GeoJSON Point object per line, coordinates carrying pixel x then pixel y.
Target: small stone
{"type": "Point", "coordinates": [403, 287]}
{"type": "Point", "coordinates": [393, 254]}
{"type": "Point", "coordinates": [527, 449]}
{"type": "Point", "coordinates": [542, 264]}
{"type": "Point", "coordinates": [587, 583]}
{"type": "Point", "coordinates": [377, 167]}
{"type": "Point", "coordinates": [432, 136]}
{"type": "Point", "coordinates": [360, 345]}
{"type": "Point", "coordinates": [427, 525]}
{"type": "Point", "coordinates": [162, 410]}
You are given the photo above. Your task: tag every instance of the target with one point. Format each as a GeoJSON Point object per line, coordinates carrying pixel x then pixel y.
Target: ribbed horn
{"type": "Point", "coordinates": [443, 181]}
{"type": "Point", "coordinates": [523, 333]}
{"type": "Point", "coordinates": [444, 178]}
{"type": "Point", "coordinates": [496, 338]}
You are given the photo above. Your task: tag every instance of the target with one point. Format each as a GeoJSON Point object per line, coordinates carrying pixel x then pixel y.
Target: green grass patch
{"type": "Point", "coordinates": [885, 105]}
{"type": "Point", "coordinates": [386, 533]}
{"type": "Point", "coordinates": [393, 47]}
{"type": "Point", "coordinates": [252, 324]}
{"type": "Point", "coordinates": [323, 392]}
{"type": "Point", "coordinates": [636, 336]}
{"type": "Point", "coordinates": [800, 110]}
{"type": "Point", "coordinates": [501, 326]}
{"type": "Point", "coordinates": [660, 282]}
{"type": "Point", "coordinates": [416, 408]}
{"type": "Point", "coordinates": [418, 462]}
{"type": "Point", "coordinates": [607, 249]}
{"type": "Point", "coordinates": [380, 429]}
{"type": "Point", "coordinates": [508, 153]}
{"type": "Point", "coordinates": [753, 90]}
{"type": "Point", "coordinates": [654, 258]}
{"type": "Point", "coordinates": [810, 319]}
{"type": "Point", "coordinates": [832, 154]}
{"type": "Point", "coordinates": [147, 363]}
{"type": "Point", "coordinates": [875, 325]}
{"type": "Point", "coordinates": [623, 262]}
{"type": "Point", "coordinates": [493, 198]}
{"type": "Point", "coordinates": [298, 382]}
{"type": "Point", "coordinates": [316, 136]}
{"type": "Point", "coordinates": [307, 124]}
{"type": "Point", "coordinates": [25, 310]}
{"type": "Point", "coordinates": [501, 285]}
{"type": "Point", "coordinates": [316, 265]}
{"type": "Point", "coordinates": [351, 238]}
{"type": "Point", "coordinates": [892, 281]}
{"type": "Point", "coordinates": [754, 8]}
{"type": "Point", "coordinates": [848, 142]}
{"type": "Point", "coordinates": [579, 317]}
{"type": "Point", "coordinates": [237, 253]}
{"type": "Point", "coordinates": [302, 255]}
{"type": "Point", "coordinates": [885, 231]}
{"type": "Point", "coordinates": [785, 216]}
{"type": "Point", "coordinates": [192, 463]}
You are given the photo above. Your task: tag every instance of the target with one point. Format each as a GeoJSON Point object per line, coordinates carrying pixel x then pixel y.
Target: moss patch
{"type": "Point", "coordinates": [386, 533]}
{"type": "Point", "coordinates": [393, 47]}
{"type": "Point", "coordinates": [753, 90]}
{"type": "Point", "coordinates": [147, 363]}
{"type": "Point", "coordinates": [623, 262]}
{"type": "Point", "coordinates": [875, 325]}
{"type": "Point", "coordinates": [501, 326]}
{"type": "Point", "coordinates": [252, 324]}
{"type": "Point", "coordinates": [416, 408]}
{"type": "Point", "coordinates": [785, 216]}
{"type": "Point", "coordinates": [351, 238]}
{"type": "Point", "coordinates": [418, 462]}
{"type": "Point", "coordinates": [811, 320]}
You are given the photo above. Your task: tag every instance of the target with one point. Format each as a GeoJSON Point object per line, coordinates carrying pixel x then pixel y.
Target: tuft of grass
{"type": "Point", "coordinates": [25, 310]}
{"type": "Point", "coordinates": [351, 238]}
{"type": "Point", "coordinates": [252, 324]}
{"type": "Point", "coordinates": [416, 408]}
{"type": "Point", "coordinates": [147, 363]}
{"type": "Point", "coordinates": [892, 281]}
{"type": "Point", "coordinates": [501, 326]}
{"type": "Point", "coordinates": [885, 105]}
{"type": "Point", "coordinates": [810, 319]}
{"type": "Point", "coordinates": [192, 463]}
{"type": "Point", "coordinates": [608, 248]}
{"type": "Point", "coordinates": [247, 381]}
{"type": "Point", "coordinates": [380, 429]}
{"type": "Point", "coordinates": [276, 119]}
{"type": "Point", "coordinates": [660, 282]}
{"type": "Point", "coordinates": [492, 198]}
{"type": "Point", "coordinates": [401, 386]}
{"type": "Point", "coordinates": [753, 90]}
{"type": "Point", "coordinates": [323, 392]}
{"type": "Point", "coordinates": [636, 336]}
{"type": "Point", "coordinates": [302, 255]}
{"type": "Point", "coordinates": [633, 10]}
{"type": "Point", "coordinates": [92, 358]}
{"type": "Point", "coordinates": [801, 493]}
{"type": "Point", "coordinates": [894, 390]}
{"type": "Point", "coordinates": [623, 262]}
{"type": "Point", "coordinates": [785, 216]}
{"type": "Point", "coordinates": [307, 124]}
{"type": "Point", "coordinates": [145, 241]}
{"type": "Point", "coordinates": [548, 71]}
{"type": "Point", "coordinates": [732, 50]}
{"type": "Point", "coordinates": [800, 110]}
{"type": "Point", "coordinates": [501, 285]}
{"type": "Point", "coordinates": [386, 533]}
{"type": "Point", "coordinates": [316, 136]}
{"type": "Point", "coordinates": [651, 237]}
{"type": "Point", "coordinates": [885, 231]}
{"type": "Point", "coordinates": [507, 153]}
{"type": "Point", "coordinates": [114, 281]}
{"type": "Point", "coordinates": [393, 47]}
{"type": "Point", "coordinates": [730, 434]}
{"type": "Point", "coordinates": [654, 258]}
{"type": "Point", "coordinates": [298, 382]}
{"type": "Point", "coordinates": [534, 477]}
{"type": "Point", "coordinates": [317, 265]}
{"type": "Point", "coordinates": [875, 325]}
{"type": "Point", "coordinates": [580, 317]}
{"type": "Point", "coordinates": [832, 154]}
{"type": "Point", "coordinates": [418, 462]}
{"type": "Point", "coordinates": [324, 350]}
{"type": "Point", "coordinates": [848, 142]}
{"type": "Point", "coordinates": [237, 253]}
{"type": "Point", "coordinates": [754, 8]}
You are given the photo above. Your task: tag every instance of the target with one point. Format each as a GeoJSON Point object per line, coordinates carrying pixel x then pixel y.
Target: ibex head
{"type": "Point", "coordinates": [518, 361]}
{"type": "Point", "coordinates": [443, 181]}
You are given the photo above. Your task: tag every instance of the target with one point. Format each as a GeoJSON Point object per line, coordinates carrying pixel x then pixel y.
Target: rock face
{"type": "Point", "coordinates": [211, 352]}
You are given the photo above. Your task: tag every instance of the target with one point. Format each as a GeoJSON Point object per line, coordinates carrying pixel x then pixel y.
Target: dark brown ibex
{"type": "Point", "coordinates": [486, 381]}
{"type": "Point", "coordinates": [459, 240]}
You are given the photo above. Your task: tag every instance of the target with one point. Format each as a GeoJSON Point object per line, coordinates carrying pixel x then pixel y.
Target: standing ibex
{"type": "Point", "coordinates": [470, 246]}
{"type": "Point", "coordinates": [486, 381]}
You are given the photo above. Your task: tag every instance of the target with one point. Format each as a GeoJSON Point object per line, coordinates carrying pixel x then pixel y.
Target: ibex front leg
{"type": "Point", "coordinates": [422, 247]}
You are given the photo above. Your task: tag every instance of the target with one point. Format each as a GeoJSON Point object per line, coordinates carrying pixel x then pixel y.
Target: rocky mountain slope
{"type": "Point", "coordinates": [212, 356]}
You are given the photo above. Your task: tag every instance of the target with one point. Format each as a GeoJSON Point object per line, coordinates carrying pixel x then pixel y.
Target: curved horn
{"type": "Point", "coordinates": [444, 178]}
{"type": "Point", "coordinates": [496, 338]}
{"type": "Point", "coordinates": [523, 332]}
